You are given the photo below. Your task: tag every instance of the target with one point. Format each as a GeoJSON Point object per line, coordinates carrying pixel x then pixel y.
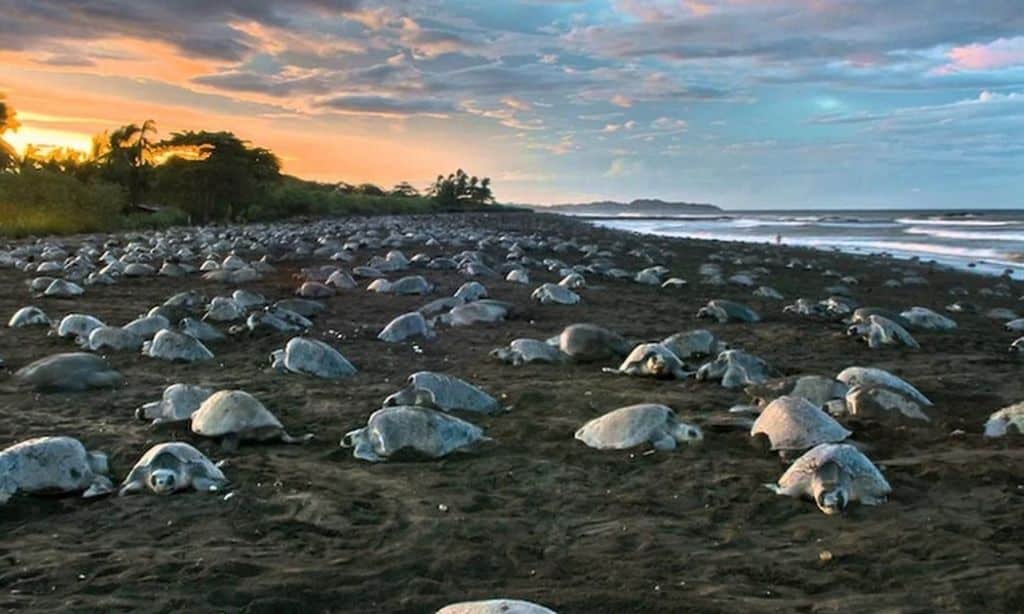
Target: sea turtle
{"type": "Point", "coordinates": [834, 475]}
{"type": "Point", "coordinates": [878, 403]}
{"type": "Point", "coordinates": [573, 281]}
{"type": "Point", "coordinates": [178, 403]}
{"type": "Point", "coordinates": [654, 360]}
{"type": "Point", "coordinates": [248, 300]}
{"type": "Point", "coordinates": [863, 315]}
{"type": "Point", "coordinates": [112, 337]}
{"type": "Point", "coordinates": [769, 293]}
{"type": "Point", "coordinates": [736, 368]}
{"type": "Point", "coordinates": [407, 326]}
{"type": "Point", "coordinates": [879, 331]}
{"type": "Point", "coordinates": [817, 389]}
{"type": "Point", "coordinates": [174, 346]}
{"type": "Point", "coordinates": [554, 294]}
{"type": "Point", "coordinates": [439, 306]}
{"type": "Point", "coordinates": [478, 312]}
{"type": "Point", "coordinates": [51, 465]}
{"type": "Point", "coordinates": [525, 351]}
{"type": "Point", "coordinates": [471, 291]}
{"type": "Point", "coordinates": [202, 331]}
{"type": "Point", "coordinates": [1001, 313]}
{"type": "Point", "coordinates": [590, 343]}
{"type": "Point", "coordinates": [805, 307]}
{"type": "Point", "coordinates": [518, 276]}
{"type": "Point", "coordinates": [341, 280]}
{"type": "Point", "coordinates": [444, 392]}
{"type": "Point", "coordinates": [728, 311]}
{"type": "Point", "coordinates": [301, 306]}
{"type": "Point", "coordinates": [693, 344]}
{"type": "Point", "coordinates": [796, 424]}
{"type": "Point", "coordinates": [870, 376]}
{"type": "Point", "coordinates": [311, 357]}
{"type": "Point", "coordinates": [29, 316]}
{"type": "Point", "coordinates": [147, 326]}
{"type": "Point", "coordinates": [1001, 422]}
{"type": "Point", "coordinates": [190, 300]}
{"type": "Point", "coordinates": [495, 606]}
{"type": "Point", "coordinates": [223, 309]}
{"type": "Point", "coordinates": [392, 433]}
{"type": "Point", "coordinates": [60, 288]}
{"type": "Point", "coordinates": [236, 416]}
{"type": "Point", "coordinates": [648, 277]}
{"type": "Point", "coordinates": [1015, 326]}
{"type": "Point", "coordinates": [923, 318]}
{"type": "Point", "coordinates": [413, 284]}
{"type": "Point", "coordinates": [72, 372]}
{"type": "Point", "coordinates": [167, 468]}
{"type": "Point", "coordinates": [77, 325]}
{"type": "Point", "coordinates": [635, 425]}
{"type": "Point", "coordinates": [314, 289]}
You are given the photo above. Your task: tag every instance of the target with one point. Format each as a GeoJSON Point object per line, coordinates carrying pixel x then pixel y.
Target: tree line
{"type": "Point", "coordinates": [216, 176]}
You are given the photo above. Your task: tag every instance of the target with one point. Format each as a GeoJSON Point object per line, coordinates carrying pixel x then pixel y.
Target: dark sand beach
{"type": "Point", "coordinates": [535, 514]}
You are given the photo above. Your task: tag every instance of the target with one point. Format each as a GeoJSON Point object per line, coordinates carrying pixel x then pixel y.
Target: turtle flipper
{"type": "Point", "coordinates": [131, 487]}
{"type": "Point", "coordinates": [663, 441]}
{"type": "Point", "coordinates": [205, 484]}
{"type": "Point", "coordinates": [286, 438]}
{"type": "Point", "coordinates": [100, 486]}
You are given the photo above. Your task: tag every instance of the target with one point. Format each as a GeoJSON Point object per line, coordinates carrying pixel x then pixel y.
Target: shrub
{"type": "Point", "coordinates": [40, 201]}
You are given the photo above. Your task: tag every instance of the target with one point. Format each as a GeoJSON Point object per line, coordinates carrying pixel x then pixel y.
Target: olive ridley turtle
{"type": "Point", "coordinates": [51, 465]}
{"type": "Point", "coordinates": [171, 467]}
{"type": "Point", "coordinates": [635, 425]}
{"type": "Point", "coordinates": [834, 475]}
{"type": "Point", "coordinates": [395, 433]}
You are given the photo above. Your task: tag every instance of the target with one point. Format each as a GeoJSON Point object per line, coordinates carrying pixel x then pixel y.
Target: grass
{"type": "Point", "coordinates": [44, 202]}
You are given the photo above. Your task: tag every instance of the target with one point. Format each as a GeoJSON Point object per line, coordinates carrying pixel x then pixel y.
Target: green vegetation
{"type": "Point", "coordinates": [131, 180]}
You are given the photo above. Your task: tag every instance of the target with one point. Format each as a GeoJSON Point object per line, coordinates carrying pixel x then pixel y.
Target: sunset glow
{"type": "Point", "coordinates": [794, 103]}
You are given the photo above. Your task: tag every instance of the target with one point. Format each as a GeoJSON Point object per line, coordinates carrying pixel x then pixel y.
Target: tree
{"type": "Point", "coordinates": [214, 175]}
{"type": "Point", "coordinates": [459, 189]}
{"type": "Point", "coordinates": [126, 156]}
{"type": "Point", "coordinates": [368, 189]}
{"type": "Point", "coordinates": [8, 122]}
{"type": "Point", "coordinates": [404, 190]}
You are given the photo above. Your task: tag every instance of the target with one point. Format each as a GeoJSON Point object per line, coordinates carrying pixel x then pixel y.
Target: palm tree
{"type": "Point", "coordinates": [127, 154]}
{"type": "Point", "coordinates": [8, 122]}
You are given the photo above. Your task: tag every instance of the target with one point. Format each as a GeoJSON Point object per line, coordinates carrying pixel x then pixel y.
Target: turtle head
{"type": "Point", "coordinates": [686, 433]}
{"type": "Point", "coordinates": [163, 481]}
{"type": "Point", "coordinates": [503, 354]}
{"type": "Point", "coordinates": [831, 488]}
{"type": "Point", "coordinates": [657, 365]}
{"type": "Point", "coordinates": [860, 328]}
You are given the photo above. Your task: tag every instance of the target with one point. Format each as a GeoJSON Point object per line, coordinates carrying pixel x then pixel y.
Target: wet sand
{"type": "Point", "coordinates": [534, 515]}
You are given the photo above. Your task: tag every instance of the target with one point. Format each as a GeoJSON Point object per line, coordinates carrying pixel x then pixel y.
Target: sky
{"type": "Point", "coordinates": [747, 104]}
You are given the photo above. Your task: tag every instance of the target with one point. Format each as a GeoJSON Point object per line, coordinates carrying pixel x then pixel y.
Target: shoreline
{"type": "Point", "coordinates": [899, 250]}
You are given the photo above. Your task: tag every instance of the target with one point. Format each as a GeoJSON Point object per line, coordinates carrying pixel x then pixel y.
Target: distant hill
{"type": "Point", "coordinates": [640, 206]}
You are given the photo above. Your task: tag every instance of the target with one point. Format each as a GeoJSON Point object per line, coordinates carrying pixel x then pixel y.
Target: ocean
{"type": "Point", "coordinates": [988, 242]}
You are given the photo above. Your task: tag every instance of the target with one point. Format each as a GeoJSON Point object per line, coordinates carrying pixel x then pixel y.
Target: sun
{"type": "Point", "coordinates": [48, 138]}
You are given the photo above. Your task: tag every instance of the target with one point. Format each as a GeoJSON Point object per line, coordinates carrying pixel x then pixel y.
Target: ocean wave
{"type": "Point", "coordinates": [966, 235]}
{"type": "Point", "coordinates": [946, 221]}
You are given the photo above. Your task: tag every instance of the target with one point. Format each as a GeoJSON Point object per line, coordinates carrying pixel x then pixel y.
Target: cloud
{"type": "Point", "coordinates": [386, 106]}
{"type": "Point", "coordinates": [622, 167]}
{"type": "Point", "coordinates": [196, 28]}
{"type": "Point", "coordinates": [1001, 53]}
{"type": "Point", "coordinates": [621, 100]}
